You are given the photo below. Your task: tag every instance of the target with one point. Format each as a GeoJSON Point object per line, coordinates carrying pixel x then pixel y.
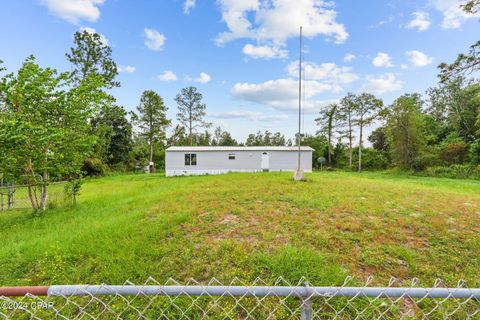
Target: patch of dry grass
{"type": "Point", "coordinates": [249, 225]}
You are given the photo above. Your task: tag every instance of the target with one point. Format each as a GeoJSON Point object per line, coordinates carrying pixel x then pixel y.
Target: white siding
{"type": "Point", "coordinates": [288, 160]}
{"type": "Point", "coordinates": [215, 162]}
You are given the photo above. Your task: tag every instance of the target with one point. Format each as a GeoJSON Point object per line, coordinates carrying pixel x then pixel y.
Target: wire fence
{"type": "Point", "coordinates": [237, 300]}
{"type": "Point", "coordinates": [18, 196]}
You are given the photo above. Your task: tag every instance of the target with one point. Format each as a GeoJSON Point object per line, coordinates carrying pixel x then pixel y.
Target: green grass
{"type": "Point", "coordinates": [247, 226]}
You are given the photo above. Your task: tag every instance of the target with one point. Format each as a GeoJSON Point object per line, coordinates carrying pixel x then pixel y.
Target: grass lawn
{"type": "Point", "coordinates": [249, 225]}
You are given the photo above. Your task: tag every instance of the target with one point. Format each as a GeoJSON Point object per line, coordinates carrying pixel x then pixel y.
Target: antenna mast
{"type": "Point", "coordinates": [299, 172]}
{"type": "Point", "coordinates": [299, 102]}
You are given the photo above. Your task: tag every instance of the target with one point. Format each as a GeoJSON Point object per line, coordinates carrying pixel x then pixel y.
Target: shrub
{"type": "Point", "coordinates": [94, 167]}
{"type": "Point", "coordinates": [474, 152]}
{"type": "Point", "coordinates": [426, 160]}
{"type": "Point", "coordinates": [455, 171]}
{"type": "Point", "coordinates": [372, 159]}
{"type": "Point", "coordinates": [454, 151]}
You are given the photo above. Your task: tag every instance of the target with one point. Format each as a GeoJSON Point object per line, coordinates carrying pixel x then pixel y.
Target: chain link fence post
{"type": "Point", "coordinates": [306, 307]}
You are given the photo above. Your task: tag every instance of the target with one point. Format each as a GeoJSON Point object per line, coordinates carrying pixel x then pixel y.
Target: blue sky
{"type": "Point", "coordinates": [242, 55]}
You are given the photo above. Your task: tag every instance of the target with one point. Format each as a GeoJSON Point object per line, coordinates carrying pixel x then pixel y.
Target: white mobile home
{"type": "Point", "coordinates": [215, 160]}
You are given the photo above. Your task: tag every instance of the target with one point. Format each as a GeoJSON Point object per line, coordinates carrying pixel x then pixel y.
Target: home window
{"type": "Point", "coordinates": [231, 156]}
{"type": "Point", "coordinates": [190, 159]}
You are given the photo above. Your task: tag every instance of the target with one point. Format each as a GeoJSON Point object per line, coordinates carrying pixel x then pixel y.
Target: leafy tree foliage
{"type": "Point", "coordinates": [191, 110]}
{"type": "Point", "coordinates": [405, 125]}
{"type": "Point", "coordinates": [456, 103]}
{"type": "Point", "coordinates": [178, 137]}
{"type": "Point", "coordinates": [91, 56]}
{"type": "Point", "coordinates": [223, 138]}
{"type": "Point", "coordinates": [327, 122]}
{"type": "Point", "coordinates": [114, 135]}
{"type": "Point", "coordinates": [378, 139]}
{"type": "Point", "coordinates": [320, 145]}
{"type": "Point", "coordinates": [472, 6]}
{"type": "Point", "coordinates": [454, 151]}
{"type": "Point", "coordinates": [152, 120]}
{"type": "Point", "coordinates": [464, 65]}
{"type": "Point", "coordinates": [44, 126]}
{"type": "Point", "coordinates": [266, 139]}
{"type": "Point", "coordinates": [366, 110]}
{"type": "Point", "coordinates": [346, 112]}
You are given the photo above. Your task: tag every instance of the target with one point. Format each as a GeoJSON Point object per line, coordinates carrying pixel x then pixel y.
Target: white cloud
{"type": "Point", "coordinates": [382, 60]}
{"type": "Point", "coordinates": [382, 84]}
{"type": "Point", "coordinates": [167, 75]}
{"type": "Point", "coordinates": [103, 39]}
{"type": "Point", "coordinates": [274, 21]}
{"type": "Point", "coordinates": [328, 73]}
{"type": "Point", "coordinates": [418, 58]}
{"type": "Point", "coordinates": [154, 39]}
{"type": "Point", "coordinates": [349, 57]}
{"type": "Point", "coordinates": [127, 69]}
{"type": "Point", "coordinates": [188, 5]}
{"type": "Point", "coordinates": [264, 52]}
{"type": "Point", "coordinates": [453, 15]}
{"type": "Point", "coordinates": [389, 19]}
{"type": "Point", "coordinates": [74, 10]}
{"type": "Point", "coordinates": [421, 21]}
{"type": "Point", "coordinates": [203, 78]}
{"type": "Point", "coordinates": [282, 94]}
{"type": "Point", "coordinates": [248, 115]}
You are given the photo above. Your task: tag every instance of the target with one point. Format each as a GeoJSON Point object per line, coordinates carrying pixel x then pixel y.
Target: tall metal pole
{"type": "Point", "coordinates": [299, 100]}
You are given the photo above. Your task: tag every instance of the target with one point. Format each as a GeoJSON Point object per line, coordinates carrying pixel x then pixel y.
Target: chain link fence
{"type": "Point", "coordinates": [237, 300]}
{"type": "Point", "coordinates": [16, 196]}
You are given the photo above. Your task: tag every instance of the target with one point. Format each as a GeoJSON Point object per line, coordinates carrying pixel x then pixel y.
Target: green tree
{"type": "Point", "coordinates": [152, 120]}
{"type": "Point", "coordinates": [405, 127]}
{"type": "Point", "coordinates": [278, 139]}
{"type": "Point", "coordinates": [178, 137]}
{"type": "Point", "coordinates": [346, 112]}
{"type": "Point", "coordinates": [472, 6]}
{"type": "Point", "coordinates": [115, 131]}
{"type": "Point", "coordinates": [456, 103]}
{"type": "Point", "coordinates": [91, 56]}
{"type": "Point", "coordinates": [327, 122]}
{"type": "Point", "coordinates": [463, 65]}
{"type": "Point", "coordinates": [44, 126]}
{"type": "Point", "coordinates": [191, 110]}
{"type": "Point", "coordinates": [319, 144]}
{"type": "Point", "coordinates": [378, 139]}
{"type": "Point", "coordinates": [254, 139]}
{"type": "Point", "coordinates": [468, 63]}
{"type": "Point", "coordinates": [223, 138]}
{"type": "Point", "coordinates": [454, 150]}
{"type": "Point", "coordinates": [367, 108]}
{"type": "Point", "coordinates": [266, 139]}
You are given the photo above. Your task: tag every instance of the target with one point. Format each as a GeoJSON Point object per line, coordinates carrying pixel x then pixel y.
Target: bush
{"type": "Point", "coordinates": [474, 152]}
{"type": "Point", "coordinates": [426, 160]}
{"type": "Point", "coordinates": [372, 159]}
{"type": "Point", "coordinates": [454, 151]}
{"type": "Point", "coordinates": [455, 171]}
{"type": "Point", "coordinates": [94, 167]}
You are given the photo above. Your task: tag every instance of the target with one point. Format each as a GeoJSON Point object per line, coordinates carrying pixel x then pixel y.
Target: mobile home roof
{"type": "Point", "coordinates": [259, 148]}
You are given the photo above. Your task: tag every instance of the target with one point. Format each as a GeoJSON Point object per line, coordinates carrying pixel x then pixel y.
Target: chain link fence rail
{"type": "Point", "coordinates": [16, 196]}
{"type": "Point", "coordinates": [259, 300]}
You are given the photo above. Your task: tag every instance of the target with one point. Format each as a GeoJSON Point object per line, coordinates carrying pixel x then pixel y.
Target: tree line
{"type": "Point", "coordinates": [62, 125]}
{"type": "Point", "coordinates": [436, 134]}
